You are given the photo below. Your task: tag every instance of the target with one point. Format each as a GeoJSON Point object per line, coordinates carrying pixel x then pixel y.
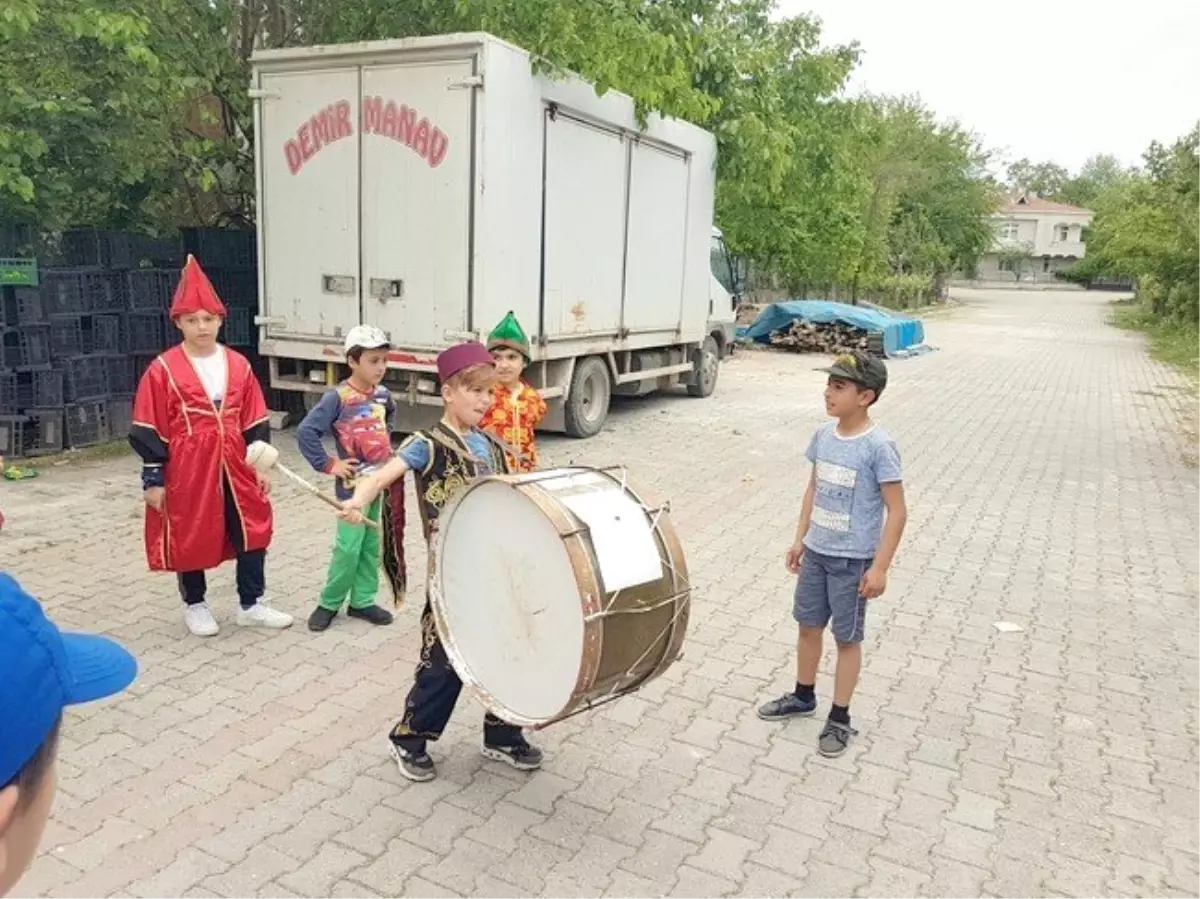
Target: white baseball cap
{"type": "Point", "coordinates": [366, 336]}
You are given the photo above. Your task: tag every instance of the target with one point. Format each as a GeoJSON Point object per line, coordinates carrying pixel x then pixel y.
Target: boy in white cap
{"type": "Point", "coordinates": [357, 413]}
{"type": "Point", "coordinates": [42, 670]}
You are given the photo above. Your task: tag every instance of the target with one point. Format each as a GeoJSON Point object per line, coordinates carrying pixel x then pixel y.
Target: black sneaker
{"type": "Point", "coordinates": [789, 705]}
{"type": "Point", "coordinates": [320, 619]}
{"type": "Point", "coordinates": [520, 755]}
{"type": "Point", "coordinates": [834, 739]}
{"type": "Point", "coordinates": [416, 766]}
{"type": "Point", "coordinates": [371, 613]}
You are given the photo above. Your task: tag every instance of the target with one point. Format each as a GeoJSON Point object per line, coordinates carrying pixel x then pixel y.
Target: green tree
{"type": "Point", "coordinates": [1042, 179]}
{"type": "Point", "coordinates": [136, 115]}
{"type": "Point", "coordinates": [926, 211]}
{"type": "Point", "coordinates": [85, 106]}
{"type": "Point", "coordinates": [1100, 174]}
{"type": "Point", "coordinates": [1147, 227]}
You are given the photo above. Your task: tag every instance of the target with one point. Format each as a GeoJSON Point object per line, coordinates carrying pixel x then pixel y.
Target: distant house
{"type": "Point", "coordinates": [1034, 239]}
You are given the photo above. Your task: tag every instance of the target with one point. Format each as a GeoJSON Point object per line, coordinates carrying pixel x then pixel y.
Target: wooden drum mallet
{"type": "Point", "coordinates": [263, 457]}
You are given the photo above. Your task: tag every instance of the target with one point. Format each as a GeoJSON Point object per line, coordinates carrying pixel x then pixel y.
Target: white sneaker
{"type": "Point", "coordinates": [199, 620]}
{"type": "Point", "coordinates": [262, 615]}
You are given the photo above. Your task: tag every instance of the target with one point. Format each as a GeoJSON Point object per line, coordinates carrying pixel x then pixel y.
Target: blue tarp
{"type": "Point", "coordinates": [901, 336]}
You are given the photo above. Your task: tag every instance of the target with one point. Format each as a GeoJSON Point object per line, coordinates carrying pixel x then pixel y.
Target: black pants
{"type": "Point", "coordinates": [433, 695]}
{"type": "Point", "coordinates": [251, 576]}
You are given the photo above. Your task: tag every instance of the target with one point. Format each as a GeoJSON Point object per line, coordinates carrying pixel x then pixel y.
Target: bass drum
{"type": "Point", "coordinates": [557, 590]}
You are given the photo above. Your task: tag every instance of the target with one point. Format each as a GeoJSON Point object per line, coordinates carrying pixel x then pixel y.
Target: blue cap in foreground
{"type": "Point", "coordinates": [43, 670]}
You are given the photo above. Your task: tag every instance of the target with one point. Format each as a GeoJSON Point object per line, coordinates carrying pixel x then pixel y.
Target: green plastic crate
{"type": "Point", "coordinates": [18, 272]}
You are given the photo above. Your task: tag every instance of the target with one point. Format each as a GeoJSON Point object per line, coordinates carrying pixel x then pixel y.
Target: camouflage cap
{"type": "Point", "coordinates": [860, 368]}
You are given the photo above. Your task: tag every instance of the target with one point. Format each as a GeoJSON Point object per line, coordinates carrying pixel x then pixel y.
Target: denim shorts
{"type": "Point", "coordinates": [827, 590]}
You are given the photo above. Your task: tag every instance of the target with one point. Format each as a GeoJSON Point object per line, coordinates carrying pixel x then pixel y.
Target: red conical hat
{"type": "Point", "coordinates": [195, 293]}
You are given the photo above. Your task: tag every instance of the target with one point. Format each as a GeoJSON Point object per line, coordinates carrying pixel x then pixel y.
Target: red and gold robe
{"type": "Point", "coordinates": [197, 445]}
{"type": "Point", "coordinates": [513, 418]}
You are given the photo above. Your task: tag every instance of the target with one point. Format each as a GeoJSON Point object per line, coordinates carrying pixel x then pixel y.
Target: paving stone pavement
{"type": "Point", "coordinates": [1046, 488]}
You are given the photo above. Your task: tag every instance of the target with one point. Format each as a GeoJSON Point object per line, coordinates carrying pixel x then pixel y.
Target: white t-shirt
{"type": "Point", "coordinates": [212, 371]}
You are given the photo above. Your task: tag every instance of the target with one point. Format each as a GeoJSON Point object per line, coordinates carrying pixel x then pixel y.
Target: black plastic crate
{"type": "Point", "coordinates": [85, 378]}
{"type": "Point", "coordinates": [151, 288]}
{"type": "Point", "coordinates": [38, 433]}
{"type": "Point", "coordinates": [81, 291]}
{"type": "Point", "coordinates": [22, 306]}
{"type": "Point", "coordinates": [45, 388]}
{"type": "Point", "coordinates": [74, 335]}
{"type": "Point", "coordinates": [221, 247]}
{"type": "Point", "coordinates": [132, 251]}
{"type": "Point", "coordinates": [146, 332]}
{"type": "Point", "coordinates": [84, 247]}
{"type": "Point", "coordinates": [10, 395]}
{"type": "Point", "coordinates": [12, 435]}
{"type": "Point", "coordinates": [66, 335]}
{"type": "Point", "coordinates": [107, 334]}
{"type": "Point", "coordinates": [120, 416]}
{"type": "Point", "coordinates": [21, 390]}
{"type": "Point", "coordinates": [123, 374]}
{"type": "Point", "coordinates": [86, 424]}
{"type": "Point", "coordinates": [238, 327]}
{"type": "Point", "coordinates": [26, 347]}
{"type": "Point", "coordinates": [235, 287]}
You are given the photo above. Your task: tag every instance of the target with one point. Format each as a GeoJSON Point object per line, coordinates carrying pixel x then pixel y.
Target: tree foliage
{"type": "Point", "coordinates": [135, 115]}
{"type": "Point", "coordinates": [1147, 227]}
{"type": "Point", "coordinates": [1040, 179]}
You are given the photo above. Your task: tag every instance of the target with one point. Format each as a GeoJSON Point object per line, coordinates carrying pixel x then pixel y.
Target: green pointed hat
{"type": "Point", "coordinates": [509, 334]}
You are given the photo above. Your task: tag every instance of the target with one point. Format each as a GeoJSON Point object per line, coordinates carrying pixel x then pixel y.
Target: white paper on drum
{"type": "Point", "coordinates": [621, 535]}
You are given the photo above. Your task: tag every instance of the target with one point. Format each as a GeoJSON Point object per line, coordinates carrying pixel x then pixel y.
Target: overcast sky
{"type": "Point", "coordinates": [1046, 79]}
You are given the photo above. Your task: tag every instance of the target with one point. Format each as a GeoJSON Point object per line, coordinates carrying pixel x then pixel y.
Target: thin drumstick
{"type": "Point", "coordinates": [288, 473]}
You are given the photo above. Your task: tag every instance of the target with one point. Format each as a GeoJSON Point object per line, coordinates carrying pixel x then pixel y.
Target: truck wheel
{"type": "Point", "coordinates": [587, 401]}
{"type": "Point", "coordinates": [707, 363]}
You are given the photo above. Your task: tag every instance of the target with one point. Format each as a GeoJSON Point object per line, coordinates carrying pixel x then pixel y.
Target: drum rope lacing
{"type": "Point", "coordinates": [677, 578]}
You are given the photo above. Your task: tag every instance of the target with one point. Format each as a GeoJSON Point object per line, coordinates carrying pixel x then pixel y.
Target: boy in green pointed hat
{"type": "Point", "coordinates": [517, 409]}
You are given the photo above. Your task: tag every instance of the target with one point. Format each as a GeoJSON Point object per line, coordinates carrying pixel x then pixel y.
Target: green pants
{"type": "Point", "coordinates": [354, 570]}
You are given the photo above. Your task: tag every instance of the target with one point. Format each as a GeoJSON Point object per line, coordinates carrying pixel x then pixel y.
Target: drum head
{"type": "Point", "coordinates": [509, 603]}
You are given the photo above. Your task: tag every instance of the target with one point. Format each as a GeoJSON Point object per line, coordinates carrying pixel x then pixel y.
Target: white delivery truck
{"type": "Point", "coordinates": [430, 185]}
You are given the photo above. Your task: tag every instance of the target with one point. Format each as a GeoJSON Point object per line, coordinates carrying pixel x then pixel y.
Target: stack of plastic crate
{"type": "Point", "coordinates": [73, 347]}
{"type": "Point", "coordinates": [31, 389]}
{"type": "Point", "coordinates": [100, 382]}
{"type": "Point", "coordinates": [230, 259]}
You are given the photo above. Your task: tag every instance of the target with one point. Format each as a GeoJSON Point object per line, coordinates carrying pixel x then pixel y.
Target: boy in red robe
{"type": "Point", "coordinates": [197, 407]}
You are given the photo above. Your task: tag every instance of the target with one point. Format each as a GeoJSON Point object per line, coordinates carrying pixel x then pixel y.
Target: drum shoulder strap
{"type": "Point", "coordinates": [454, 443]}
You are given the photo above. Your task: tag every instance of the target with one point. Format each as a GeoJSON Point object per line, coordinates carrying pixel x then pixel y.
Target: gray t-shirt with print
{"type": "Point", "coordinates": [848, 510]}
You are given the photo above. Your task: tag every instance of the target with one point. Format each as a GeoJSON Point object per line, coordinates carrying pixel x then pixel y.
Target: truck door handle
{"type": "Point", "coordinates": [343, 284]}
{"type": "Point", "coordinates": [384, 289]}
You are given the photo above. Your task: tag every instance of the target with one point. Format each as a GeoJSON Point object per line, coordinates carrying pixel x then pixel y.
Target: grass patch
{"type": "Point", "coordinates": [1170, 342]}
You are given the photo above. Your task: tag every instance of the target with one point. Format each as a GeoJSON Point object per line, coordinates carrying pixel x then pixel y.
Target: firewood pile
{"type": "Point", "coordinates": [830, 338]}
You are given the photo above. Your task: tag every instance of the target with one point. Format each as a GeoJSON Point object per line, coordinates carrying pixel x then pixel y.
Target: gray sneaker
{"type": "Point", "coordinates": [789, 705]}
{"type": "Point", "coordinates": [416, 766]}
{"type": "Point", "coordinates": [834, 739]}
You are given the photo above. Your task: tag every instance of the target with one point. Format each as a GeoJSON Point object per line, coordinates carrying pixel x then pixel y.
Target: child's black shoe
{"type": "Point", "coordinates": [320, 619]}
{"type": "Point", "coordinates": [371, 613]}
{"type": "Point", "coordinates": [520, 755]}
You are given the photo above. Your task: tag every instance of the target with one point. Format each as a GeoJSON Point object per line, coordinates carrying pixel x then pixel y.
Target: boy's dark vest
{"type": "Point", "coordinates": [451, 467]}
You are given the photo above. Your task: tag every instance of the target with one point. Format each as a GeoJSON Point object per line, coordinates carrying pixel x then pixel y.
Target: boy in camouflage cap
{"type": "Point", "coordinates": [843, 547]}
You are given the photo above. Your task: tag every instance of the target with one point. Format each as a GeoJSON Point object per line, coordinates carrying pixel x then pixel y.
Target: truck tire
{"type": "Point", "coordinates": [707, 364]}
{"type": "Point", "coordinates": [587, 401]}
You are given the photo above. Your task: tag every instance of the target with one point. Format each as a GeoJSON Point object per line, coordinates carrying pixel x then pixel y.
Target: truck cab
{"type": "Point", "coordinates": [723, 294]}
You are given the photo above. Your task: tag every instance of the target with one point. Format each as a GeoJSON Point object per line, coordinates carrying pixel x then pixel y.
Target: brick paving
{"type": "Point", "coordinates": [1046, 487]}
